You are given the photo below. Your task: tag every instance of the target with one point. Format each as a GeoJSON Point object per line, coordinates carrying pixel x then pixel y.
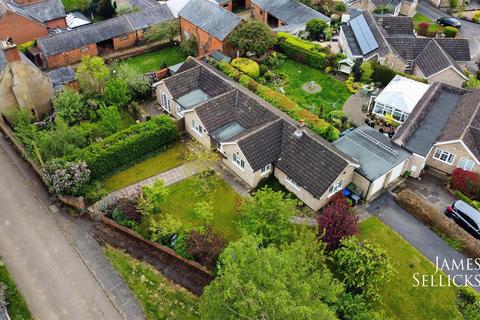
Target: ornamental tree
{"type": "Point", "coordinates": [362, 266]}
{"type": "Point", "coordinates": [69, 105]}
{"type": "Point", "coordinates": [337, 222]}
{"type": "Point", "coordinates": [116, 93]}
{"type": "Point", "coordinates": [315, 28]}
{"type": "Point", "coordinates": [109, 119]}
{"type": "Point", "coordinates": [92, 73]}
{"type": "Point", "coordinates": [252, 36]}
{"type": "Point", "coordinates": [268, 215]}
{"type": "Point", "coordinates": [65, 178]}
{"type": "Point", "coordinates": [205, 246]}
{"type": "Point", "coordinates": [165, 31]}
{"type": "Point", "coordinates": [466, 182]}
{"type": "Point", "coordinates": [137, 83]}
{"type": "Point", "coordinates": [252, 282]}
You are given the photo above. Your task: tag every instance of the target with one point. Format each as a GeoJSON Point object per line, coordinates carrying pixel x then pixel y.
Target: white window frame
{"type": "Point", "coordinates": [439, 153]}
{"type": "Point", "coordinates": [197, 128]}
{"type": "Point", "coordinates": [164, 101]}
{"type": "Point", "coordinates": [180, 109]}
{"type": "Point", "coordinates": [266, 169]}
{"type": "Point", "coordinates": [84, 50]}
{"type": "Point", "coordinates": [238, 161]}
{"type": "Point", "coordinates": [294, 183]}
{"type": "Point", "coordinates": [466, 164]}
{"type": "Point", "coordinates": [334, 188]}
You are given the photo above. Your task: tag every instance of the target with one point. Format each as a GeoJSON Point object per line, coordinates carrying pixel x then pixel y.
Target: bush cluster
{"type": "Point", "coordinates": [384, 74]}
{"type": "Point", "coordinates": [247, 66]}
{"type": "Point", "coordinates": [450, 32]}
{"type": "Point", "coordinates": [283, 103]}
{"type": "Point", "coordinates": [468, 302]}
{"type": "Point", "coordinates": [127, 146]}
{"type": "Point", "coordinates": [306, 52]}
{"type": "Point", "coordinates": [466, 182]}
{"type": "Point", "coordinates": [432, 217]}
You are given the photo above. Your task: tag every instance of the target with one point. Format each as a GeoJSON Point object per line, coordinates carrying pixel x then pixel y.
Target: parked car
{"type": "Point", "coordinates": [465, 216]}
{"type": "Point", "coordinates": [449, 22]}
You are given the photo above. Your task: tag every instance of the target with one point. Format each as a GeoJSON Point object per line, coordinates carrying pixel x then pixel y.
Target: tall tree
{"type": "Point", "coordinates": [69, 105]}
{"type": "Point", "coordinates": [92, 73]}
{"type": "Point", "coordinates": [270, 283]}
{"type": "Point", "coordinates": [165, 31]}
{"type": "Point", "coordinates": [137, 83]}
{"type": "Point", "coordinates": [252, 36]}
{"type": "Point", "coordinates": [316, 28]}
{"type": "Point", "coordinates": [116, 93]}
{"type": "Point", "coordinates": [268, 215]}
{"type": "Point", "coordinates": [109, 119]}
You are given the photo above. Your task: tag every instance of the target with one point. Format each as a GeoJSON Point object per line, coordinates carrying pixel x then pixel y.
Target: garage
{"type": "Point", "coordinates": [381, 161]}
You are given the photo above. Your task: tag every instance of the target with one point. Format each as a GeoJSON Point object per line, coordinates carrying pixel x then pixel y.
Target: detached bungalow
{"type": "Point", "coordinates": [392, 42]}
{"type": "Point", "coordinates": [287, 15]}
{"type": "Point", "coordinates": [69, 47]}
{"type": "Point", "coordinates": [27, 20]}
{"type": "Point", "coordinates": [255, 139]}
{"type": "Point", "coordinates": [209, 24]}
{"type": "Point", "coordinates": [443, 131]}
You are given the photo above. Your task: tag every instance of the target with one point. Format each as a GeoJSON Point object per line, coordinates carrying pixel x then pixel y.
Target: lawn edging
{"type": "Point", "coordinates": [187, 273]}
{"type": "Point", "coordinates": [433, 218]}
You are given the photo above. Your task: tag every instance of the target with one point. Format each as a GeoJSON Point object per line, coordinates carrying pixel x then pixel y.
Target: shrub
{"type": "Point", "coordinates": [109, 120]}
{"type": "Point", "coordinates": [68, 104]}
{"type": "Point", "coordinates": [119, 217]}
{"type": "Point", "coordinates": [464, 198]}
{"type": "Point", "coordinates": [65, 178]}
{"type": "Point", "coordinates": [302, 51]}
{"type": "Point", "coordinates": [468, 302]}
{"type": "Point", "coordinates": [252, 36]}
{"type": "Point", "coordinates": [337, 222]}
{"type": "Point", "coordinates": [315, 28]}
{"type": "Point", "coordinates": [476, 17]}
{"type": "Point", "coordinates": [93, 192]}
{"type": "Point", "coordinates": [116, 93]}
{"type": "Point", "coordinates": [127, 146]}
{"type": "Point", "coordinates": [205, 247]}
{"type": "Point", "coordinates": [423, 28]}
{"type": "Point", "coordinates": [362, 266]}
{"type": "Point", "coordinates": [450, 32]}
{"type": "Point", "coordinates": [230, 71]}
{"type": "Point", "coordinates": [466, 182]}
{"type": "Point", "coordinates": [274, 59]}
{"type": "Point", "coordinates": [452, 4]}
{"type": "Point", "coordinates": [153, 198]}
{"type": "Point", "coordinates": [432, 217]}
{"type": "Point", "coordinates": [247, 66]}
{"type": "Point", "coordinates": [367, 71]}
{"type": "Point", "coordinates": [340, 6]}
{"type": "Point", "coordinates": [383, 9]}
{"type": "Point", "coordinates": [384, 74]}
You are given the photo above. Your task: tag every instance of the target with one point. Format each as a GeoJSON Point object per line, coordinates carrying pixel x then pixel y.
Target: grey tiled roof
{"type": "Point", "coordinates": [97, 32]}
{"type": "Point", "coordinates": [211, 18]}
{"type": "Point", "coordinates": [42, 11]}
{"type": "Point", "coordinates": [434, 59]}
{"type": "Point", "coordinates": [458, 49]}
{"type": "Point", "coordinates": [62, 76]}
{"type": "Point", "coordinates": [269, 136]}
{"type": "Point", "coordinates": [290, 11]}
{"type": "Point", "coordinates": [3, 60]}
{"type": "Point", "coordinates": [395, 26]}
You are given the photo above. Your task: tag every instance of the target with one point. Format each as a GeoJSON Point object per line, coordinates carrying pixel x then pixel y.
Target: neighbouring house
{"type": "Point", "coordinates": [177, 5]}
{"type": "Point", "coordinates": [443, 131]}
{"type": "Point", "coordinates": [255, 139]}
{"type": "Point", "coordinates": [285, 15]}
{"type": "Point", "coordinates": [63, 77]}
{"type": "Point", "coordinates": [392, 42]}
{"type": "Point", "coordinates": [68, 47]}
{"type": "Point", "coordinates": [209, 24]}
{"type": "Point", "coordinates": [446, 3]}
{"type": "Point", "coordinates": [398, 98]}
{"type": "Point", "coordinates": [382, 162]}
{"type": "Point", "coordinates": [397, 7]}
{"type": "Point", "coordinates": [27, 20]}
{"type": "Point", "coordinates": [134, 4]}
{"type": "Point", "coordinates": [23, 84]}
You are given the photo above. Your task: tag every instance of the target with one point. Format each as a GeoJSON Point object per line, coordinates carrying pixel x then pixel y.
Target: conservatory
{"type": "Point", "coordinates": [398, 98]}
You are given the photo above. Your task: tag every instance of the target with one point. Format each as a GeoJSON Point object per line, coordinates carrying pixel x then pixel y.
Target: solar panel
{"type": "Point", "coordinates": [364, 35]}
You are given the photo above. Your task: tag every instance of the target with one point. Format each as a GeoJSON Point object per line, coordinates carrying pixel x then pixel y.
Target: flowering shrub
{"type": "Point", "coordinates": [423, 28]}
{"type": "Point", "coordinates": [466, 182]}
{"type": "Point", "coordinates": [65, 178]}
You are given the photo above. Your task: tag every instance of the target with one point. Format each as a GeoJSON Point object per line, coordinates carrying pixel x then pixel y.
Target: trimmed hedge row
{"type": "Point", "coordinates": [464, 198]}
{"type": "Point", "coordinates": [384, 74]}
{"type": "Point", "coordinates": [432, 217]}
{"type": "Point", "coordinates": [306, 52]}
{"type": "Point", "coordinates": [127, 146]}
{"type": "Point", "coordinates": [282, 102]}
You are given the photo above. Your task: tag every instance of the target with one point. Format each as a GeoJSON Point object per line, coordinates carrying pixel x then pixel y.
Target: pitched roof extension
{"type": "Point", "coordinates": [266, 135]}
{"type": "Point", "coordinates": [211, 18]}
{"type": "Point", "coordinates": [101, 31]}
{"type": "Point", "coordinates": [41, 11]}
{"type": "Point", "coordinates": [290, 11]}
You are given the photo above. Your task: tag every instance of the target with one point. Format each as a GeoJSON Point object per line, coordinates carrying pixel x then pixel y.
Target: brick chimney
{"type": "Point", "coordinates": [11, 50]}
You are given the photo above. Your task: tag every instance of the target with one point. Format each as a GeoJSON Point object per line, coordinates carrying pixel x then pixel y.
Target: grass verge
{"type": "Point", "coordinates": [153, 61]}
{"type": "Point", "coordinates": [17, 308]}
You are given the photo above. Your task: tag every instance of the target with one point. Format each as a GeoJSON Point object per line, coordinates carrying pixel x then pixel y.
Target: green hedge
{"type": "Point", "coordinates": [464, 198]}
{"type": "Point", "coordinates": [306, 52]}
{"type": "Point", "coordinates": [384, 74]}
{"type": "Point", "coordinates": [127, 146]}
{"type": "Point", "coordinates": [283, 103]}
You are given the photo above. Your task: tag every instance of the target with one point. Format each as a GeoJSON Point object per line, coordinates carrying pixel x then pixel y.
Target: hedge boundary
{"type": "Point", "coordinates": [282, 102]}
{"type": "Point", "coordinates": [416, 205]}
{"type": "Point", "coordinates": [127, 146]}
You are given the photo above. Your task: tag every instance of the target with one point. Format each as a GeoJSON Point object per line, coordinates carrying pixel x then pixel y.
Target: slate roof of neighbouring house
{"type": "Point", "coordinates": [393, 26]}
{"type": "Point", "coordinates": [393, 3]}
{"type": "Point", "coordinates": [62, 76]}
{"type": "Point", "coordinates": [101, 31]}
{"type": "Point", "coordinates": [41, 11]}
{"type": "Point", "coordinates": [290, 11]}
{"type": "Point", "coordinates": [266, 135]}
{"type": "Point", "coordinates": [375, 152]}
{"type": "Point", "coordinates": [430, 119]}
{"type": "Point", "coordinates": [211, 18]}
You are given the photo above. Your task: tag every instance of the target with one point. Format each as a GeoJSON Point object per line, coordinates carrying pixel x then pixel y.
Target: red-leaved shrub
{"type": "Point", "coordinates": [423, 28]}
{"type": "Point", "coordinates": [466, 182]}
{"type": "Point", "coordinates": [205, 246]}
{"type": "Point", "coordinates": [336, 222]}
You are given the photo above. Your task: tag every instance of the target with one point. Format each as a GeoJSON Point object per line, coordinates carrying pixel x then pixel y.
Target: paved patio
{"type": "Point", "coordinates": [353, 108]}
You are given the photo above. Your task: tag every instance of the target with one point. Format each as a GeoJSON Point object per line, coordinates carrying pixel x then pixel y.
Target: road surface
{"type": "Point", "coordinates": [48, 271]}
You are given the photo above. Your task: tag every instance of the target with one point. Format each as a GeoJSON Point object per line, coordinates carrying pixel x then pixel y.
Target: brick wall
{"type": "Point", "coordinates": [206, 43]}
{"type": "Point", "coordinates": [124, 41]}
{"type": "Point", "coordinates": [72, 56]}
{"type": "Point", "coordinates": [20, 29]}
{"type": "Point", "coordinates": [57, 23]}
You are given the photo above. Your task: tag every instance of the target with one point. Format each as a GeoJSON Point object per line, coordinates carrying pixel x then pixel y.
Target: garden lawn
{"type": "Point", "coordinates": [17, 308]}
{"type": "Point", "coordinates": [159, 298]}
{"type": "Point", "coordinates": [181, 201]}
{"type": "Point", "coordinates": [332, 96]}
{"type": "Point", "coordinates": [418, 18]}
{"type": "Point", "coordinates": [399, 298]}
{"type": "Point", "coordinates": [158, 163]}
{"type": "Point", "coordinates": [153, 61]}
